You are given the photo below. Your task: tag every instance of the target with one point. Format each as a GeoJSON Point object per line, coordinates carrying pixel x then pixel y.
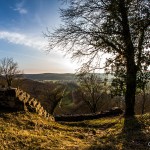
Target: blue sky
{"type": "Point", "coordinates": [22, 23]}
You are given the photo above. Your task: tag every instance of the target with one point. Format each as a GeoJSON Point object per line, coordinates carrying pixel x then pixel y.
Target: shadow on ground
{"type": "Point", "coordinates": [87, 125]}
{"type": "Point", "coordinates": [132, 136]}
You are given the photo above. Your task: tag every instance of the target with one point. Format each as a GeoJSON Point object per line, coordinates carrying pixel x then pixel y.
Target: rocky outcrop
{"type": "Point", "coordinates": [18, 100]}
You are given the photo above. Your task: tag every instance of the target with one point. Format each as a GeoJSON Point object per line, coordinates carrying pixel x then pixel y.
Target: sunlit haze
{"type": "Point", "coordinates": [22, 23]}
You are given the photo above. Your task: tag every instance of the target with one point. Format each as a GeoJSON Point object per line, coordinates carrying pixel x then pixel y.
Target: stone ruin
{"type": "Point", "coordinates": [17, 100]}
{"type": "Point", "coordinates": [9, 101]}
{"type": "Point", "coordinates": [74, 118]}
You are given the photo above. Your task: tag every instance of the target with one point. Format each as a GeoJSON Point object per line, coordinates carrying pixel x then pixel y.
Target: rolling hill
{"type": "Point", "coordinates": [50, 76]}
{"type": "Point", "coordinates": [57, 76]}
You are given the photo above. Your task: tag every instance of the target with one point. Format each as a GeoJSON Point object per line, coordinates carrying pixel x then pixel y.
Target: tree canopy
{"type": "Point", "coordinates": [91, 90]}
{"type": "Point", "coordinates": [9, 70]}
{"type": "Point", "coordinates": [120, 28]}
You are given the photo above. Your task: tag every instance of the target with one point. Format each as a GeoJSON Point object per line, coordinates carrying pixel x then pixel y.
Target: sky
{"type": "Point", "coordinates": [22, 24]}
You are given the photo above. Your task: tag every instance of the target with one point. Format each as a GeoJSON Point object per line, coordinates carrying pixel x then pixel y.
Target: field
{"type": "Point", "coordinates": [28, 131]}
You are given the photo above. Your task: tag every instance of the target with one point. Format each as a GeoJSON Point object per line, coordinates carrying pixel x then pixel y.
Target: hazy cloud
{"type": "Point", "coordinates": [20, 8]}
{"type": "Point", "coordinates": [23, 39]}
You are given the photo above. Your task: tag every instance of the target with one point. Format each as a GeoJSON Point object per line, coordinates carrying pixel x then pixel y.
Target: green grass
{"type": "Point", "coordinates": [27, 131]}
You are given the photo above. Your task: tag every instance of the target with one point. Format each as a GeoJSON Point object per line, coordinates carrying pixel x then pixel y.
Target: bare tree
{"type": "Point", "coordinates": [54, 94]}
{"type": "Point", "coordinates": [9, 70]}
{"type": "Point", "coordinates": [143, 79]}
{"type": "Point", "coordinates": [91, 90]}
{"type": "Point", "coordinates": [120, 28]}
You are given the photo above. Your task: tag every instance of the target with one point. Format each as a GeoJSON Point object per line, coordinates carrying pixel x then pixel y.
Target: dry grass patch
{"type": "Point", "coordinates": [27, 131]}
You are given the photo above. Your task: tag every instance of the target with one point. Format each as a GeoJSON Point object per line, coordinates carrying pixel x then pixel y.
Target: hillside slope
{"type": "Point", "coordinates": [28, 131]}
{"type": "Point", "coordinates": [50, 76]}
{"type": "Point", "coordinates": [60, 76]}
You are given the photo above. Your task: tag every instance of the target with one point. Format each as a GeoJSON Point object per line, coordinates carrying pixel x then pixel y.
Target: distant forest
{"type": "Point", "coordinates": [57, 76]}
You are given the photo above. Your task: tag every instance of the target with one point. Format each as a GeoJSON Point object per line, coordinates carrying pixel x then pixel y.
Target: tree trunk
{"type": "Point", "coordinates": [144, 101]}
{"type": "Point", "coordinates": [130, 62]}
{"type": "Point", "coordinates": [130, 87]}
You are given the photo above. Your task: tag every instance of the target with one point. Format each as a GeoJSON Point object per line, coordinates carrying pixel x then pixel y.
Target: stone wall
{"type": "Point", "coordinates": [74, 118]}
{"type": "Point", "coordinates": [9, 101]}
{"type": "Point", "coordinates": [18, 100]}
